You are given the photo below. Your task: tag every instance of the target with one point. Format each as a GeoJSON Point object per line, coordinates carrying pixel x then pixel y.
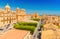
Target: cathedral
{"type": "Point", "coordinates": [7, 16]}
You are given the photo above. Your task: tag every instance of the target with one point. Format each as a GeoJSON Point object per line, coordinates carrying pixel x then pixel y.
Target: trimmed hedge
{"type": "Point", "coordinates": [26, 26]}
{"type": "Point", "coordinates": [35, 19]}
{"type": "Point", "coordinates": [30, 28]}
{"type": "Point", "coordinates": [27, 23]}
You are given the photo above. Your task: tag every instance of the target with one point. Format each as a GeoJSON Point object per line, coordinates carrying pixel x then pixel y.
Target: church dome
{"type": "Point", "coordinates": [7, 6]}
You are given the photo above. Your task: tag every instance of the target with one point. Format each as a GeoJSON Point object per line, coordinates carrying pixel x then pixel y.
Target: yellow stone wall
{"type": "Point", "coordinates": [48, 34]}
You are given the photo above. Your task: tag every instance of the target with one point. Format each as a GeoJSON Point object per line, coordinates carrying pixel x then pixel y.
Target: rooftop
{"type": "Point", "coordinates": [14, 34]}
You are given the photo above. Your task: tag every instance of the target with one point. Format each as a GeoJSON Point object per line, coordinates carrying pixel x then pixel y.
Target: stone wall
{"type": "Point", "coordinates": [50, 34]}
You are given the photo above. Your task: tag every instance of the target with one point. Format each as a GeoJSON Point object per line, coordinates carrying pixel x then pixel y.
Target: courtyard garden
{"type": "Point", "coordinates": [30, 26]}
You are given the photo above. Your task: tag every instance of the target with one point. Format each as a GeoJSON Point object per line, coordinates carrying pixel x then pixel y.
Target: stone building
{"type": "Point", "coordinates": [50, 31]}
{"type": "Point", "coordinates": [16, 34]}
{"type": "Point", "coordinates": [7, 16]}
{"type": "Point", "coordinates": [51, 19]}
{"type": "Point", "coordinates": [20, 14]}
{"type": "Point", "coordinates": [35, 15]}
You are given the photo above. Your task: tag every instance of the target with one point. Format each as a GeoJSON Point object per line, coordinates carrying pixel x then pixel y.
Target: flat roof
{"type": "Point", "coordinates": [14, 34]}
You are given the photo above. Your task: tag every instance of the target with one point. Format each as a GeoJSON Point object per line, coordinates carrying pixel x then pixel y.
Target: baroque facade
{"type": "Point", "coordinates": [8, 16]}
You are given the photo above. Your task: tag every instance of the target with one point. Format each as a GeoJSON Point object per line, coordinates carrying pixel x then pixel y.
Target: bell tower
{"type": "Point", "coordinates": [17, 9]}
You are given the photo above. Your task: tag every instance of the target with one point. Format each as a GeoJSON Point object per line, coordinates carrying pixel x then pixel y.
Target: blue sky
{"type": "Point", "coordinates": [31, 6]}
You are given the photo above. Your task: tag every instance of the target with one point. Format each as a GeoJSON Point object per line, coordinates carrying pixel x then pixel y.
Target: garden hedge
{"type": "Point", "coordinates": [35, 19]}
{"type": "Point", "coordinates": [26, 26]}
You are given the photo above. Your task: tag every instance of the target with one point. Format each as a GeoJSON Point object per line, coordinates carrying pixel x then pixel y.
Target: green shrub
{"type": "Point", "coordinates": [30, 28]}
{"type": "Point", "coordinates": [26, 26]}
{"type": "Point", "coordinates": [58, 26]}
{"type": "Point", "coordinates": [41, 25]}
{"type": "Point", "coordinates": [35, 19]}
{"type": "Point", "coordinates": [27, 23]}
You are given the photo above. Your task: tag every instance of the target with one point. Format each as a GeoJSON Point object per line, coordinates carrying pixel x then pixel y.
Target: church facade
{"type": "Point", "coordinates": [8, 16]}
